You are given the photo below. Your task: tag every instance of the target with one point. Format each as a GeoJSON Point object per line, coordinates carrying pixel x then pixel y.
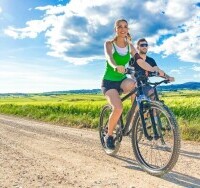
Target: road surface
{"type": "Point", "coordinates": [36, 154]}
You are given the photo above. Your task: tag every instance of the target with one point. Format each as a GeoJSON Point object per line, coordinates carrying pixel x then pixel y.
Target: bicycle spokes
{"type": "Point", "coordinates": [103, 130]}
{"type": "Point", "coordinates": [160, 153]}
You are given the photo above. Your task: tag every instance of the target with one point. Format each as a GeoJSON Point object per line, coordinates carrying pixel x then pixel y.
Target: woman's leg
{"type": "Point", "coordinates": [114, 100]}
{"type": "Point", "coordinates": [127, 85]}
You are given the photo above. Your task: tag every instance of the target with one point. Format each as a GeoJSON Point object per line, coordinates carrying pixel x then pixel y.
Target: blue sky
{"type": "Point", "coordinates": [58, 45]}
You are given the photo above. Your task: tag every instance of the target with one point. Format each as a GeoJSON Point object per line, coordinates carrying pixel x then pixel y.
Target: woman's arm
{"type": "Point", "coordinates": [109, 57]}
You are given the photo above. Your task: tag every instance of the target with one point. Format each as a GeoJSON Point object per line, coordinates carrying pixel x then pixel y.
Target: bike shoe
{"type": "Point", "coordinates": [110, 142]}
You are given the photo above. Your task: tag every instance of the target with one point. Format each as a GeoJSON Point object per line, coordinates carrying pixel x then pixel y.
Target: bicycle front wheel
{"type": "Point", "coordinates": [158, 155]}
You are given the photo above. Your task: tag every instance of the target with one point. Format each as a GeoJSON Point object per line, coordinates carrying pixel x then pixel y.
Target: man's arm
{"type": "Point", "coordinates": [161, 72]}
{"type": "Point", "coordinates": [143, 64]}
{"type": "Point", "coordinates": [164, 75]}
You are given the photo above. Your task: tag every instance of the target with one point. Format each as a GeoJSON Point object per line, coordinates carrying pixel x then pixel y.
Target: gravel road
{"type": "Point", "coordinates": [36, 154]}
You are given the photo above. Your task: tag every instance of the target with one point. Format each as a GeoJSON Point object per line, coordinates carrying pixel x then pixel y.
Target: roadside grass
{"type": "Point", "coordinates": [83, 111]}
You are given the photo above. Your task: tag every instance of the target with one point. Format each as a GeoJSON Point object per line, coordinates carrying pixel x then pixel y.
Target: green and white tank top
{"type": "Point", "coordinates": [112, 75]}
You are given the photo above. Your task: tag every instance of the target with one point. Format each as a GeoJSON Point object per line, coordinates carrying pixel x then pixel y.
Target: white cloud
{"type": "Point", "coordinates": [0, 10]}
{"type": "Point", "coordinates": [179, 9]}
{"type": "Point", "coordinates": [76, 32]}
{"type": "Point", "coordinates": [196, 68]}
{"type": "Point", "coordinates": [34, 27]}
{"type": "Point", "coordinates": [11, 33]}
{"type": "Point", "coordinates": [152, 40]}
{"type": "Point", "coordinates": [175, 72]}
{"type": "Point", "coordinates": [155, 6]}
{"type": "Point", "coordinates": [185, 44]}
{"type": "Point", "coordinates": [52, 10]}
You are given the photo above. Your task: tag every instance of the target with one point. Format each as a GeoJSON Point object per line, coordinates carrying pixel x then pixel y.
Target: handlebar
{"type": "Point", "coordinates": [151, 74]}
{"type": "Point", "coordinates": [129, 71]}
{"type": "Point", "coordinates": [138, 75]}
{"type": "Point", "coordinates": [158, 83]}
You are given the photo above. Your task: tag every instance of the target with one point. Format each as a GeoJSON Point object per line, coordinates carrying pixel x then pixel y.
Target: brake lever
{"type": "Point", "coordinates": [129, 71]}
{"type": "Point", "coordinates": [166, 81]}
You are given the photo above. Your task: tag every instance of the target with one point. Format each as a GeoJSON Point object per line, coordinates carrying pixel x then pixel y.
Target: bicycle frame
{"type": "Point", "coordinates": [130, 113]}
{"type": "Point", "coordinates": [139, 101]}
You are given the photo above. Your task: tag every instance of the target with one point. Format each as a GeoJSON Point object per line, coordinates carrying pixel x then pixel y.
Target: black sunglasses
{"type": "Point", "coordinates": [144, 45]}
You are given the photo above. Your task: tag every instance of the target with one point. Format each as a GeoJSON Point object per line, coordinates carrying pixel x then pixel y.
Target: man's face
{"type": "Point", "coordinates": [143, 47]}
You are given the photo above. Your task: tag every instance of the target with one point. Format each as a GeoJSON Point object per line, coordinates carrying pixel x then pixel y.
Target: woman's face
{"type": "Point", "coordinates": [121, 29]}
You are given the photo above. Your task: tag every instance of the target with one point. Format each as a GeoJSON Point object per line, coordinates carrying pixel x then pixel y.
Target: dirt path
{"type": "Point", "coordinates": [34, 154]}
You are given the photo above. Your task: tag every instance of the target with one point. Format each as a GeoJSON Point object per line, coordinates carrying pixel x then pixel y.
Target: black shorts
{"type": "Point", "coordinates": [108, 84]}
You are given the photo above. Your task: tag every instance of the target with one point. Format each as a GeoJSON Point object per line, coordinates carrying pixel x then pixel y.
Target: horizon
{"type": "Point", "coordinates": [170, 85]}
{"type": "Point", "coordinates": [58, 45]}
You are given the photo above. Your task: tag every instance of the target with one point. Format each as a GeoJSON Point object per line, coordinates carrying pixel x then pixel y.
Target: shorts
{"type": "Point", "coordinates": [108, 84]}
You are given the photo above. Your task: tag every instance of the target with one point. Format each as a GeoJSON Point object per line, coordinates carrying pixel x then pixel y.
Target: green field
{"type": "Point", "coordinates": [82, 110]}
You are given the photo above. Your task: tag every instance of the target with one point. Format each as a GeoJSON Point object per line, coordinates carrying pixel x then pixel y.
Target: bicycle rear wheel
{"type": "Point", "coordinates": [159, 155]}
{"type": "Point", "coordinates": [103, 129]}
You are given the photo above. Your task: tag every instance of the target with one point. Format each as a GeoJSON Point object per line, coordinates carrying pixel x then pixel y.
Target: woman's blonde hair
{"type": "Point", "coordinates": [115, 26]}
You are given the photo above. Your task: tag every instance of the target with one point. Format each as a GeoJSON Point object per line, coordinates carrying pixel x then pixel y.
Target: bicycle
{"type": "Point", "coordinates": [152, 127]}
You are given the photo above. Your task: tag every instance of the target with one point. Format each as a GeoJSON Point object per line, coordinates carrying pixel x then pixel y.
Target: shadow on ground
{"type": "Point", "coordinates": [174, 177]}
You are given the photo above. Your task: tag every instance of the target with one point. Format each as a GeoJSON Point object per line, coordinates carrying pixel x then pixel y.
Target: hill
{"type": "Point", "coordinates": [172, 87]}
{"type": "Point", "coordinates": [185, 86]}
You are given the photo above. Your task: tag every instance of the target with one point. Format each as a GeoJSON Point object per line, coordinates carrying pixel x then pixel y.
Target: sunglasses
{"type": "Point", "coordinates": [144, 45]}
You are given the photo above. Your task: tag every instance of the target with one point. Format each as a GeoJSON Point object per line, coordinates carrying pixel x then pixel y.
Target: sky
{"type": "Point", "coordinates": [54, 45]}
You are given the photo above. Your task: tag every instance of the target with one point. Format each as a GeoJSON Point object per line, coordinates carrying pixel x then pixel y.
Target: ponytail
{"type": "Point", "coordinates": [129, 38]}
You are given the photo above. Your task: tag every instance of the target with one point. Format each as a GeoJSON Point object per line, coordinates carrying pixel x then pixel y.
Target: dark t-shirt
{"type": "Point", "coordinates": [134, 64]}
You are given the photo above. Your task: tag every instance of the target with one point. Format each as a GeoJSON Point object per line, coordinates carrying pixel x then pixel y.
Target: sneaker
{"type": "Point", "coordinates": [110, 142]}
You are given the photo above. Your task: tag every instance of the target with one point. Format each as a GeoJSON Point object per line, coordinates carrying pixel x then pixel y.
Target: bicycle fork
{"type": "Point", "coordinates": [153, 123]}
{"type": "Point", "coordinates": [156, 136]}
{"type": "Point", "coordinates": [143, 122]}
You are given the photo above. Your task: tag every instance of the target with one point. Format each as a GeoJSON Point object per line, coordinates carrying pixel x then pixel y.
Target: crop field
{"type": "Point", "coordinates": [82, 110]}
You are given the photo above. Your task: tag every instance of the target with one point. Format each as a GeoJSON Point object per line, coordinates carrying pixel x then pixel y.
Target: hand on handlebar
{"type": "Point", "coordinates": [120, 69]}
{"type": "Point", "coordinates": [171, 79]}
{"type": "Point", "coordinates": [162, 74]}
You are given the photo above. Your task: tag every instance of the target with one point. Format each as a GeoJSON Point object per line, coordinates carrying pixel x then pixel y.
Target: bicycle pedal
{"type": "Point", "coordinates": [150, 138]}
{"type": "Point", "coordinates": [156, 137]}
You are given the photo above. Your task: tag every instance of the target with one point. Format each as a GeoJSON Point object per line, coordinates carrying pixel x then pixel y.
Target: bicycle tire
{"type": "Point", "coordinates": [166, 115]}
{"type": "Point", "coordinates": [117, 134]}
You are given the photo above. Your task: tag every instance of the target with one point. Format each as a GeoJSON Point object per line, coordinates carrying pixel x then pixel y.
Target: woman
{"type": "Point", "coordinates": [118, 52]}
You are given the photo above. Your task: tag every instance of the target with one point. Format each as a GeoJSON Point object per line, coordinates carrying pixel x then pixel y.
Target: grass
{"type": "Point", "coordinates": [83, 110]}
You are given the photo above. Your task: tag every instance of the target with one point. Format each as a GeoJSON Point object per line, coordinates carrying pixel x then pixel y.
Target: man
{"type": "Point", "coordinates": [142, 46]}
